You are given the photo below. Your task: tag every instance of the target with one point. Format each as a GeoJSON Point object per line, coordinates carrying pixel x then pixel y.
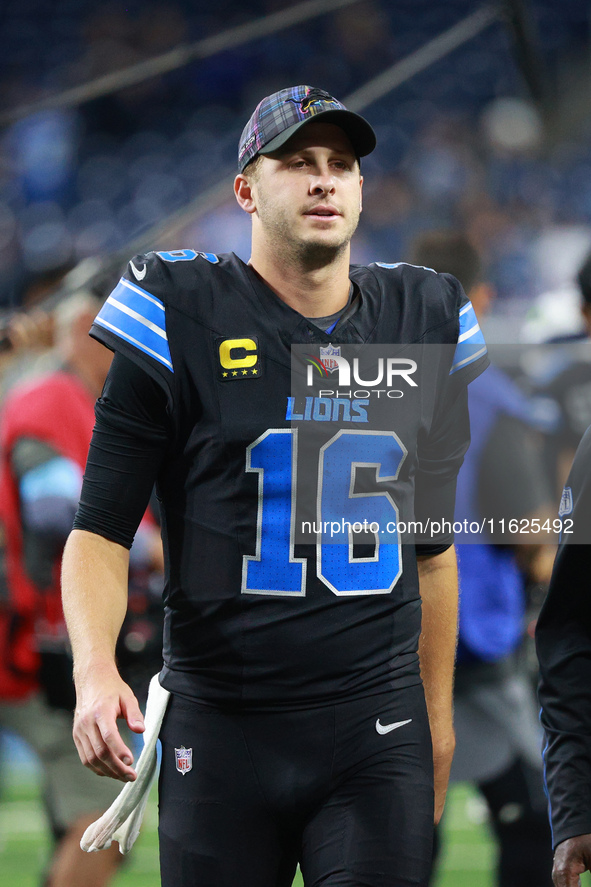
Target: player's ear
{"type": "Point", "coordinates": [243, 192]}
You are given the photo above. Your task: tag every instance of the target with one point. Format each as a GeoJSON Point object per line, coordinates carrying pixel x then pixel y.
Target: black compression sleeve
{"type": "Point", "coordinates": [128, 443]}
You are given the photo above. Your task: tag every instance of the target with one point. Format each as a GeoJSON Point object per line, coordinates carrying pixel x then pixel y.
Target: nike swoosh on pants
{"type": "Point", "coordinates": [387, 728]}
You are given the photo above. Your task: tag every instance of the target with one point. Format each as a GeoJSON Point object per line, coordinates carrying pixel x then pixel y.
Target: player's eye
{"type": "Point", "coordinates": [341, 164]}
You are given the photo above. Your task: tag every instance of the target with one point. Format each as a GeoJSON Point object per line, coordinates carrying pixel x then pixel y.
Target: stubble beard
{"type": "Point", "coordinates": [306, 254]}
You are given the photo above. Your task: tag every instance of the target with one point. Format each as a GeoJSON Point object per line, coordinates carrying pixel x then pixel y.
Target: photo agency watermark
{"type": "Point", "coordinates": [376, 430]}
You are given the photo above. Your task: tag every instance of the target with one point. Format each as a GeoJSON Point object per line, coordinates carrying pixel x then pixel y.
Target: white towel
{"type": "Point", "coordinates": [123, 819]}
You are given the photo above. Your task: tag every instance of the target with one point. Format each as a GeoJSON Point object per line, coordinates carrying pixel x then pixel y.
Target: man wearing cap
{"type": "Point", "coordinates": [297, 730]}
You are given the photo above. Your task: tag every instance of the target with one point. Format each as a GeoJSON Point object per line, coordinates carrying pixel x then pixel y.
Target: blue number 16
{"type": "Point", "coordinates": [274, 569]}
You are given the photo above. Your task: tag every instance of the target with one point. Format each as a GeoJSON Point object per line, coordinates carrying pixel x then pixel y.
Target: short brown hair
{"type": "Point", "coordinates": [252, 169]}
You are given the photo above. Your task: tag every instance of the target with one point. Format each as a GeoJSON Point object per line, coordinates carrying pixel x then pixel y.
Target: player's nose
{"type": "Point", "coordinates": [322, 181]}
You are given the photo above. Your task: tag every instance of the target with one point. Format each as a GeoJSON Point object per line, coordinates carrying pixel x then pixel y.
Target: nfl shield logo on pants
{"type": "Point", "coordinates": [184, 759]}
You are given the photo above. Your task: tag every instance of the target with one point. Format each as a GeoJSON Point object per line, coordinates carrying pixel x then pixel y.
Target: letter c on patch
{"type": "Point", "coordinates": [247, 357]}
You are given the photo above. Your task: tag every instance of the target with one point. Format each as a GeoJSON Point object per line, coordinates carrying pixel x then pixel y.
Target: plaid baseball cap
{"type": "Point", "coordinates": [280, 115]}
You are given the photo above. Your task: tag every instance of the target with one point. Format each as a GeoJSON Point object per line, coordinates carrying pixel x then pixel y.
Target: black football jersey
{"type": "Point", "coordinates": [290, 466]}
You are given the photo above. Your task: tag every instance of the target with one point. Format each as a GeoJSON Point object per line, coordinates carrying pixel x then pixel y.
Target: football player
{"type": "Point", "coordinates": [307, 722]}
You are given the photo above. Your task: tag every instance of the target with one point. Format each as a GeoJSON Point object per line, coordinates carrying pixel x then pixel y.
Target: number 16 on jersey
{"type": "Point", "coordinates": [274, 570]}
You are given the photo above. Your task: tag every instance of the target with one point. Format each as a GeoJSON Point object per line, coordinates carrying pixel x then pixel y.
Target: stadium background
{"type": "Point", "coordinates": [483, 125]}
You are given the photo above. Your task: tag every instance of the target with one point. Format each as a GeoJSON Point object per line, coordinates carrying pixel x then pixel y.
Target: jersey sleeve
{"type": "Point", "coordinates": [470, 356]}
{"type": "Point", "coordinates": [133, 320]}
{"type": "Point", "coordinates": [563, 642]}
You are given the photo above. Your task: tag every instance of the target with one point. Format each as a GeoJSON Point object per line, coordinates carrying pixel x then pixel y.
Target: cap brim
{"type": "Point", "coordinates": [360, 133]}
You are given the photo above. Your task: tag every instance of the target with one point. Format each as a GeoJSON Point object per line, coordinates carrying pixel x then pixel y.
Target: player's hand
{"type": "Point", "coordinates": [444, 744]}
{"type": "Point", "coordinates": [102, 697]}
{"type": "Point", "coordinates": [571, 858]}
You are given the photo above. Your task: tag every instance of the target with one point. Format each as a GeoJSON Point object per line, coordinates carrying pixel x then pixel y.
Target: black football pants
{"type": "Point", "coordinates": [346, 790]}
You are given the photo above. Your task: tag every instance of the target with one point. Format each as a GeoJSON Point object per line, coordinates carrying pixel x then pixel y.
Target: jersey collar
{"type": "Point", "coordinates": [295, 329]}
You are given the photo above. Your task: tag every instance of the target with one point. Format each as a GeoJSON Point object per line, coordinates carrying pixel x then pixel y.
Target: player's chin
{"type": "Point", "coordinates": [330, 242]}
{"type": "Point", "coordinates": [333, 237]}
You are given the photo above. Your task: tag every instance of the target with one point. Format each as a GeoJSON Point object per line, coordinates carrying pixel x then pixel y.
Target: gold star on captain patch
{"type": "Point", "coordinates": [234, 373]}
{"type": "Point", "coordinates": [244, 372]}
{"type": "Point", "coordinates": [254, 372]}
{"type": "Point", "coordinates": [224, 375]}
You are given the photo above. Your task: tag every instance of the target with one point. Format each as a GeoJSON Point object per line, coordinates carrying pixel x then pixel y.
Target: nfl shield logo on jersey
{"type": "Point", "coordinates": [326, 357]}
{"type": "Point", "coordinates": [184, 759]}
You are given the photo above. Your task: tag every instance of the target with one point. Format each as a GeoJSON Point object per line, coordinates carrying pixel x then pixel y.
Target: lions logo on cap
{"type": "Point", "coordinates": [314, 96]}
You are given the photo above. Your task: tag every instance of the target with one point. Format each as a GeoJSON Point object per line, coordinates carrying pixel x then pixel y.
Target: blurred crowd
{"type": "Point", "coordinates": [460, 145]}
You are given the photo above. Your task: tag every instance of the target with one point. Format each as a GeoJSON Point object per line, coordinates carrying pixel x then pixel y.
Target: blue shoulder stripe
{"type": "Point", "coordinates": [138, 317]}
{"type": "Point", "coordinates": [471, 344]}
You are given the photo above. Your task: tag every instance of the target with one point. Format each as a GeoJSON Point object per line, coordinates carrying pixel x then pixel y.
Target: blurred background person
{"type": "Point", "coordinates": [564, 376]}
{"type": "Point", "coordinates": [563, 636]}
{"type": "Point", "coordinates": [45, 430]}
{"type": "Point", "coordinates": [497, 731]}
